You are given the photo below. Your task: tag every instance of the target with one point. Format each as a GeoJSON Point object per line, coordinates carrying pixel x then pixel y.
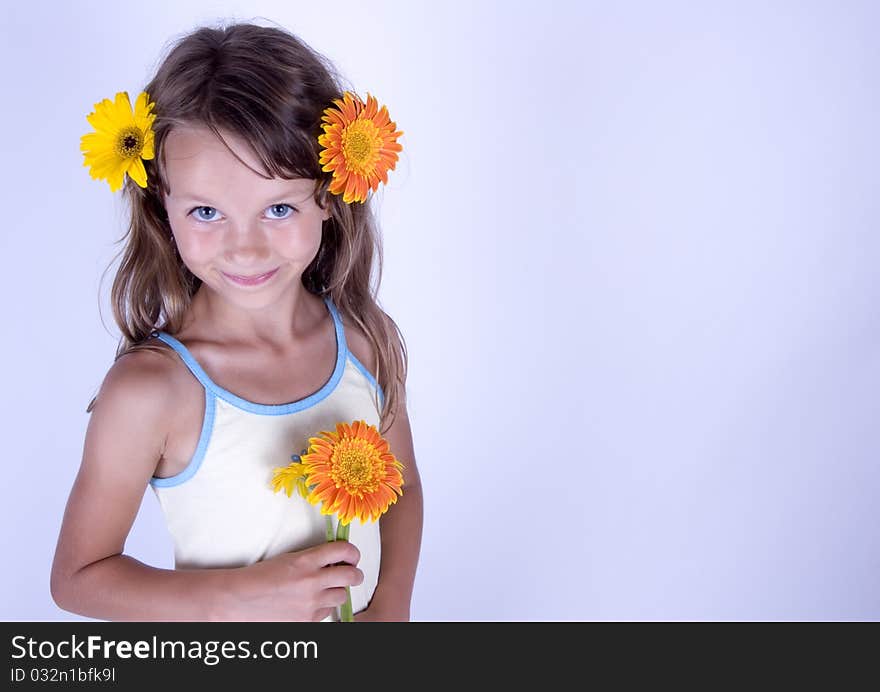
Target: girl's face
{"type": "Point", "coordinates": [231, 226]}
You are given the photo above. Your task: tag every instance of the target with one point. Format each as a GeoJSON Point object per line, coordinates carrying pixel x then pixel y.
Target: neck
{"type": "Point", "coordinates": [277, 325]}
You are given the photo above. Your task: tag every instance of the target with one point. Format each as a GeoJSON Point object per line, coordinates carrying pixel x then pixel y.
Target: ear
{"type": "Point", "coordinates": [325, 204]}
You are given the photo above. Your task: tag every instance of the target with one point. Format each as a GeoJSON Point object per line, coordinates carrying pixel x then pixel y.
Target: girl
{"type": "Point", "coordinates": [248, 325]}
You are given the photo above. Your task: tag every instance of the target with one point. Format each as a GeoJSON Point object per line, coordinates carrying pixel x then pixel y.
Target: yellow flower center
{"type": "Point", "coordinates": [361, 141]}
{"type": "Point", "coordinates": [355, 466]}
{"type": "Point", "coordinates": [129, 142]}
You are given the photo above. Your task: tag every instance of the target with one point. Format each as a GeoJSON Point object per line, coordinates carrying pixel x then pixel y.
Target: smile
{"type": "Point", "coordinates": [250, 280]}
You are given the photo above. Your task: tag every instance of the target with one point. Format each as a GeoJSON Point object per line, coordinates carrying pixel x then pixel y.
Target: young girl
{"type": "Point", "coordinates": [248, 326]}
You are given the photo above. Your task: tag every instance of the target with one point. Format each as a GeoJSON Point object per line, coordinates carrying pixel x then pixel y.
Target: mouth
{"type": "Point", "coordinates": [252, 280]}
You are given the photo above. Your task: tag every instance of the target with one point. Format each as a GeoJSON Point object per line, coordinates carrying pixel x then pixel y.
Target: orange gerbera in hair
{"type": "Point", "coordinates": [352, 472]}
{"type": "Point", "coordinates": [360, 146]}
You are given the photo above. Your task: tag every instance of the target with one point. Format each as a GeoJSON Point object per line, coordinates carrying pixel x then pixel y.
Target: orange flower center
{"type": "Point", "coordinates": [355, 466]}
{"type": "Point", "coordinates": [361, 142]}
{"type": "Point", "coordinates": [130, 142]}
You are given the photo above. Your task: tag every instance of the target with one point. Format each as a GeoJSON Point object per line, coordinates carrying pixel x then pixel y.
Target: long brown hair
{"type": "Point", "coordinates": [270, 89]}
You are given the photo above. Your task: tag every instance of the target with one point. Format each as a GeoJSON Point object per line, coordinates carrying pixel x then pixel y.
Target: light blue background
{"type": "Point", "coordinates": [632, 247]}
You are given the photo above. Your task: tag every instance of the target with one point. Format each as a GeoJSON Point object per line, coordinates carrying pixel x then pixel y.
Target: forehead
{"type": "Point", "coordinates": [198, 164]}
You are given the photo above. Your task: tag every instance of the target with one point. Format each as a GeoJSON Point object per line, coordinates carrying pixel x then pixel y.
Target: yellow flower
{"type": "Point", "coordinates": [360, 145]}
{"type": "Point", "coordinates": [352, 472]}
{"type": "Point", "coordinates": [290, 476]}
{"type": "Point", "coordinates": [121, 140]}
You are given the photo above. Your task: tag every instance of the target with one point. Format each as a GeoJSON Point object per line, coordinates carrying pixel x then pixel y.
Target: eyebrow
{"type": "Point", "coordinates": [290, 192]}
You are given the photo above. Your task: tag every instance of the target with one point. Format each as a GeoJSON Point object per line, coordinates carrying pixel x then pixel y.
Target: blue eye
{"type": "Point", "coordinates": [199, 216]}
{"type": "Point", "coordinates": [275, 206]}
{"type": "Point", "coordinates": [213, 214]}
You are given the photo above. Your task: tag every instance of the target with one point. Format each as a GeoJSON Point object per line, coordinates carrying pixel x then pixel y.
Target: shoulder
{"type": "Point", "coordinates": [144, 372]}
{"type": "Point", "coordinates": [359, 345]}
{"type": "Point", "coordinates": [136, 392]}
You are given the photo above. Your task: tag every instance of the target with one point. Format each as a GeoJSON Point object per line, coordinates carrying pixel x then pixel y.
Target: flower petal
{"type": "Point", "coordinates": [354, 179]}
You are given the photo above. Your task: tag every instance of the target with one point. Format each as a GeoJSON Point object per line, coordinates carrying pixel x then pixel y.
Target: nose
{"type": "Point", "coordinates": [247, 247]}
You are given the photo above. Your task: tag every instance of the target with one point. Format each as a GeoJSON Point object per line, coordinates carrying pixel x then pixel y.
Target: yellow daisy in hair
{"type": "Point", "coordinates": [352, 472]}
{"type": "Point", "coordinates": [360, 146]}
{"type": "Point", "coordinates": [121, 140]}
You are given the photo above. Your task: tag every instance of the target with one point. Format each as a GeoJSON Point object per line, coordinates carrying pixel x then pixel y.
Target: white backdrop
{"type": "Point", "coordinates": [631, 246]}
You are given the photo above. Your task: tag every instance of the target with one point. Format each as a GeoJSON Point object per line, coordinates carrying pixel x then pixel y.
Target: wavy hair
{"type": "Point", "coordinates": [266, 86]}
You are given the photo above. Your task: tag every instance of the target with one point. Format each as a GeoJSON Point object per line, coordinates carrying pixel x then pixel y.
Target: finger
{"type": "Point", "coordinates": [335, 552]}
{"type": "Point", "coordinates": [336, 576]}
{"type": "Point", "coordinates": [333, 597]}
{"type": "Point", "coordinates": [341, 575]}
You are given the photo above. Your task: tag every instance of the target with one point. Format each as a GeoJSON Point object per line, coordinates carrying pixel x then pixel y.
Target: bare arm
{"type": "Point", "coordinates": [302, 586]}
{"type": "Point", "coordinates": [119, 587]}
{"type": "Point", "coordinates": [401, 531]}
{"type": "Point", "coordinates": [91, 575]}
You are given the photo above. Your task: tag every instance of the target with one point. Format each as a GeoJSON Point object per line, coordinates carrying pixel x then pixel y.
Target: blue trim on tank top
{"type": "Point", "coordinates": [268, 409]}
{"type": "Point", "coordinates": [196, 461]}
{"type": "Point", "coordinates": [213, 391]}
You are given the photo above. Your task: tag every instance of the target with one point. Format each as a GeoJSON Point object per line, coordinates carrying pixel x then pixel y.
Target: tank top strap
{"type": "Point", "coordinates": [189, 360]}
{"type": "Point", "coordinates": [341, 343]}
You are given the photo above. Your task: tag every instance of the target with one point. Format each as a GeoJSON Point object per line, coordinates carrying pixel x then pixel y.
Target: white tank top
{"type": "Point", "coordinates": [221, 510]}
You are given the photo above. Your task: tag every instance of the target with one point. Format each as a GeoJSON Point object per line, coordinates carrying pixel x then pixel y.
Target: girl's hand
{"type": "Point", "coordinates": [302, 586]}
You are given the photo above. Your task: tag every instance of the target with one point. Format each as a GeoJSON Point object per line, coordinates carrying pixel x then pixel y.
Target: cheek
{"type": "Point", "coordinates": [300, 243]}
{"type": "Point", "coordinates": [300, 247]}
{"type": "Point", "coordinates": [196, 248]}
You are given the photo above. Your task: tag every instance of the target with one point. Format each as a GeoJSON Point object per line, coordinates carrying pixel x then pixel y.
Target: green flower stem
{"type": "Point", "coordinates": [329, 524]}
{"type": "Point", "coordinates": [345, 610]}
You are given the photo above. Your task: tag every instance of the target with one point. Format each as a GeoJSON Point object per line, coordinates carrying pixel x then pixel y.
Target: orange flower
{"type": "Point", "coordinates": [352, 472]}
{"type": "Point", "coordinates": [360, 145]}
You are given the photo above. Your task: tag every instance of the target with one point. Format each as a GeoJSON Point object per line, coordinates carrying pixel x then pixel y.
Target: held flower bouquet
{"type": "Point", "coordinates": [352, 473]}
